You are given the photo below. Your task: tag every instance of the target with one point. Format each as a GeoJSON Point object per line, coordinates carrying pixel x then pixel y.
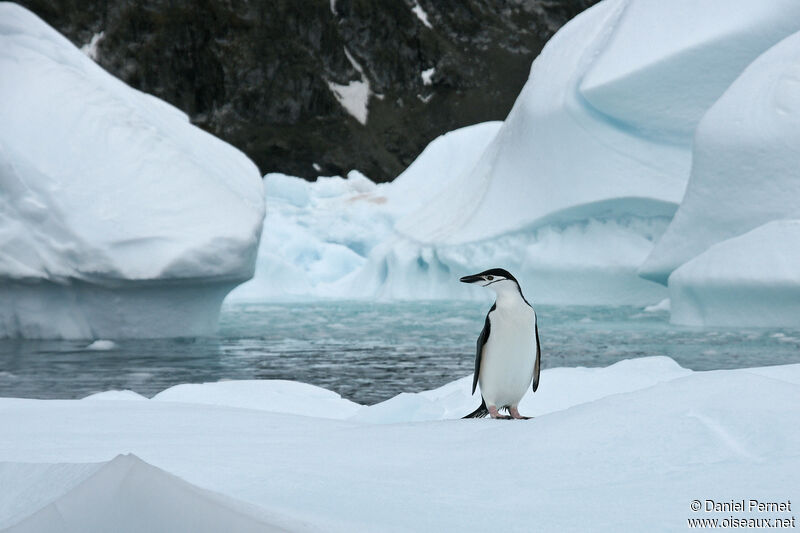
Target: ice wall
{"type": "Point", "coordinates": [751, 280]}
{"type": "Point", "coordinates": [585, 173]}
{"type": "Point", "coordinates": [607, 114]}
{"type": "Point", "coordinates": [746, 166]}
{"type": "Point", "coordinates": [117, 216]}
{"type": "Point", "coordinates": [576, 186]}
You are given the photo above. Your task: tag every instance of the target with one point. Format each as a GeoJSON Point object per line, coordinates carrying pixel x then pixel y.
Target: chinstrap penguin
{"type": "Point", "coordinates": [508, 355]}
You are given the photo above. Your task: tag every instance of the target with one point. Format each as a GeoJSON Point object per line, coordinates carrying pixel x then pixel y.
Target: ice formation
{"type": "Point", "coordinates": [118, 218]}
{"type": "Point", "coordinates": [646, 427]}
{"type": "Point", "coordinates": [128, 495]}
{"type": "Point", "coordinates": [322, 233]}
{"type": "Point", "coordinates": [752, 279]}
{"type": "Point", "coordinates": [571, 192]}
{"type": "Point", "coordinates": [746, 166]}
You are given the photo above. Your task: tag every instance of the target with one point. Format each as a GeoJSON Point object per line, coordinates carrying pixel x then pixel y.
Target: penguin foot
{"type": "Point", "coordinates": [515, 414]}
{"type": "Point", "coordinates": [494, 413]}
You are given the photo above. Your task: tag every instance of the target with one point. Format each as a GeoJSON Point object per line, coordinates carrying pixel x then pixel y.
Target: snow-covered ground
{"type": "Point", "coordinates": [118, 218]}
{"type": "Point", "coordinates": [622, 448]}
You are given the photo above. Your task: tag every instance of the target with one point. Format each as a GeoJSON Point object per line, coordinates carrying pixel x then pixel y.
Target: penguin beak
{"type": "Point", "coordinates": [471, 279]}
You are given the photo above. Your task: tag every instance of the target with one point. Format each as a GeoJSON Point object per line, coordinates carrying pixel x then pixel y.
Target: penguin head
{"type": "Point", "coordinates": [494, 278]}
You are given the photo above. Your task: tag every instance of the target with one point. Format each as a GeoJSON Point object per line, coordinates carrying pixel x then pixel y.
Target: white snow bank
{"type": "Point", "coordinates": [277, 396]}
{"type": "Point", "coordinates": [750, 280]}
{"type": "Point", "coordinates": [746, 166]}
{"type": "Point", "coordinates": [553, 153]}
{"type": "Point", "coordinates": [113, 395]}
{"type": "Point", "coordinates": [444, 159]}
{"type": "Point", "coordinates": [115, 210]}
{"type": "Point", "coordinates": [607, 114]}
{"type": "Point", "coordinates": [560, 389]}
{"type": "Point", "coordinates": [128, 495]}
{"type": "Point", "coordinates": [666, 63]}
{"type": "Point", "coordinates": [638, 432]}
{"type": "Point", "coordinates": [36, 485]}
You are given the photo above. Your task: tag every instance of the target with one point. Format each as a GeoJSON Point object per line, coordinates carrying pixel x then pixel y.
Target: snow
{"type": "Point", "coordinates": [129, 495]}
{"type": "Point", "coordinates": [90, 48]}
{"type": "Point", "coordinates": [276, 396]}
{"type": "Point", "coordinates": [692, 54]}
{"type": "Point", "coordinates": [354, 97]}
{"type": "Point", "coordinates": [608, 120]}
{"type": "Point", "coordinates": [421, 15]}
{"type": "Point", "coordinates": [552, 136]}
{"type": "Point", "coordinates": [112, 395]}
{"type": "Point", "coordinates": [427, 75]}
{"type": "Point", "coordinates": [638, 432]}
{"type": "Point", "coordinates": [115, 210]}
{"type": "Point", "coordinates": [749, 280]}
{"type": "Point", "coordinates": [746, 160]}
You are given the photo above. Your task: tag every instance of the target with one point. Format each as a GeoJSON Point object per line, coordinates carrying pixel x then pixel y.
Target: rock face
{"type": "Point", "coordinates": [317, 88]}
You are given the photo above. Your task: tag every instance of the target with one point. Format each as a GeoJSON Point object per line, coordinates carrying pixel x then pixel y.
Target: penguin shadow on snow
{"type": "Point", "coordinates": [508, 354]}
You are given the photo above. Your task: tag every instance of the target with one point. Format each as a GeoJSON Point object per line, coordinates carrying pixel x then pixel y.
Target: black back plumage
{"type": "Point", "coordinates": [483, 338]}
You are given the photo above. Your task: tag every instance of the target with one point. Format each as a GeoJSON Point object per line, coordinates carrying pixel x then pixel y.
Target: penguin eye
{"type": "Point", "coordinates": [489, 278]}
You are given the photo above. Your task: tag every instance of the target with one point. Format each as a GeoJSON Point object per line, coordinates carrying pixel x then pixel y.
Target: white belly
{"type": "Point", "coordinates": [508, 357]}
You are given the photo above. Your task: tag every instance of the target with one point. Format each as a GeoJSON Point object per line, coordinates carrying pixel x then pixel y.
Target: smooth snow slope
{"type": "Point", "coordinates": [625, 448]}
{"type": "Point", "coordinates": [607, 115]}
{"type": "Point", "coordinates": [752, 279]}
{"type": "Point", "coordinates": [128, 495]}
{"type": "Point", "coordinates": [746, 166]}
{"type": "Point", "coordinates": [115, 210]}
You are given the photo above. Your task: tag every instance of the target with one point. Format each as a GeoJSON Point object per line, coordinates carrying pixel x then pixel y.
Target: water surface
{"type": "Point", "coordinates": [369, 352]}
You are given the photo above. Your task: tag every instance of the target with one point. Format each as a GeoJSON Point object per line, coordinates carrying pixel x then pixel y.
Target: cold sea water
{"type": "Point", "coordinates": [369, 352]}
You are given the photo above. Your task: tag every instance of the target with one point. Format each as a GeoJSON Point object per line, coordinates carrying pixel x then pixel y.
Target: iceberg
{"type": "Point", "coordinates": [749, 280]}
{"type": "Point", "coordinates": [322, 233]}
{"type": "Point", "coordinates": [118, 218]}
{"type": "Point", "coordinates": [745, 166]}
{"type": "Point", "coordinates": [571, 192]}
{"type": "Point", "coordinates": [639, 431]}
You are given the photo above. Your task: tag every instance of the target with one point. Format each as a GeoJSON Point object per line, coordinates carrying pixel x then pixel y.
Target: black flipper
{"type": "Point", "coordinates": [480, 412]}
{"type": "Point", "coordinates": [535, 384]}
{"type": "Point", "coordinates": [482, 338]}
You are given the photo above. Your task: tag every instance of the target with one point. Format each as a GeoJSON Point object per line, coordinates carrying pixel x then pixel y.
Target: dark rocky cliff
{"type": "Point", "coordinates": [261, 74]}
